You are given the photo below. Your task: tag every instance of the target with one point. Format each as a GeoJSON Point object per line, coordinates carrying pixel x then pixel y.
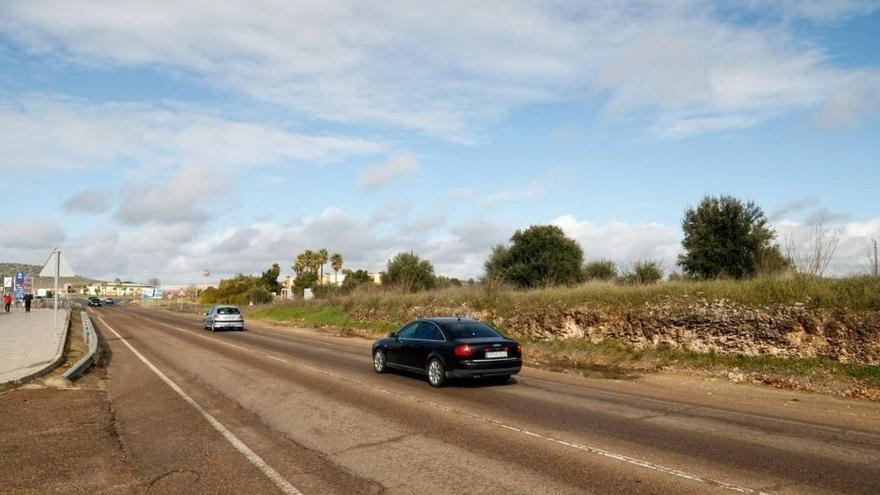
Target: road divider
{"type": "Point", "coordinates": [91, 340]}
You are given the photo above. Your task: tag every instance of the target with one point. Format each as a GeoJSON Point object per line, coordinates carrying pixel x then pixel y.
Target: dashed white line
{"type": "Point", "coordinates": [573, 445]}
{"type": "Point", "coordinates": [285, 486]}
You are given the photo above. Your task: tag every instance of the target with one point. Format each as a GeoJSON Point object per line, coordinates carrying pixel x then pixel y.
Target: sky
{"type": "Point", "coordinates": [160, 138]}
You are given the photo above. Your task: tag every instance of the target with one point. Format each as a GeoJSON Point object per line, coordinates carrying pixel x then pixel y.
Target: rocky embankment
{"type": "Point", "coordinates": [694, 324]}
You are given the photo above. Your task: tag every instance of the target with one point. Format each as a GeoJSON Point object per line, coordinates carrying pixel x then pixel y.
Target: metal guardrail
{"type": "Point", "coordinates": [91, 339]}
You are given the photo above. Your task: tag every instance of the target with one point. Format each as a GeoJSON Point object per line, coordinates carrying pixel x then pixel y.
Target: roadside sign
{"type": "Point", "coordinates": [181, 293]}
{"type": "Point", "coordinates": [19, 286]}
{"type": "Point", "coordinates": [7, 282]}
{"type": "Point", "coordinates": [64, 269]}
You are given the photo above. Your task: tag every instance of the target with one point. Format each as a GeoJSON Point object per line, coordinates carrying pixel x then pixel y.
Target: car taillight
{"type": "Point", "coordinates": [463, 350]}
{"type": "Point", "coordinates": [519, 349]}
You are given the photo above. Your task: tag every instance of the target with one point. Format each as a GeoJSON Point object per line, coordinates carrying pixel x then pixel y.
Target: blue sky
{"type": "Point", "coordinates": [158, 138]}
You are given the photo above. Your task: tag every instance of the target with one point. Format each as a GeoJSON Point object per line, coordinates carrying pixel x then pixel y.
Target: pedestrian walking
{"type": "Point", "coordinates": [28, 299]}
{"type": "Point", "coordinates": [7, 301]}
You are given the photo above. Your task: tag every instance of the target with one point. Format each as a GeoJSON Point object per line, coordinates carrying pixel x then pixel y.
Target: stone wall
{"type": "Point", "coordinates": [695, 324]}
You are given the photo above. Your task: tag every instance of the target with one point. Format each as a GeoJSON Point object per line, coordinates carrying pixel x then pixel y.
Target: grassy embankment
{"type": "Point", "coordinates": [375, 312]}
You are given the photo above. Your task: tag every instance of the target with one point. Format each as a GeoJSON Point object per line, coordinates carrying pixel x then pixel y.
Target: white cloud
{"type": "Point", "coordinates": [533, 189]}
{"type": "Point", "coordinates": [178, 200]}
{"type": "Point", "coordinates": [624, 242]}
{"type": "Point", "coordinates": [87, 201]}
{"type": "Point", "coordinates": [43, 131]}
{"type": "Point", "coordinates": [444, 70]}
{"type": "Point", "coordinates": [176, 252]}
{"type": "Point", "coordinates": [854, 240]}
{"type": "Point", "coordinates": [32, 235]}
{"type": "Point", "coordinates": [856, 101]}
{"type": "Point", "coordinates": [818, 10]}
{"type": "Point", "coordinates": [784, 210]}
{"type": "Point", "coordinates": [398, 165]}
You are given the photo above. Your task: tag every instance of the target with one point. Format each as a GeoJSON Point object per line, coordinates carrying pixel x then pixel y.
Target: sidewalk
{"type": "Point", "coordinates": [28, 343]}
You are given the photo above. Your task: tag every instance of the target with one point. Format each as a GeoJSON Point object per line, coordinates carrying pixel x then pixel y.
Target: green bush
{"type": "Point", "coordinates": [600, 270]}
{"type": "Point", "coordinates": [259, 295]}
{"type": "Point", "coordinates": [242, 289]}
{"type": "Point", "coordinates": [644, 272]}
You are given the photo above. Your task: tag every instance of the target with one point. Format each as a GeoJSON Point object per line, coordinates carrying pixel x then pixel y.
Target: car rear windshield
{"type": "Point", "coordinates": [469, 330]}
{"type": "Point", "coordinates": [227, 311]}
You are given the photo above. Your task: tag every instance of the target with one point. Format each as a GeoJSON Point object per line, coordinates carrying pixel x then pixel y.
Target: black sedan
{"type": "Point", "coordinates": [450, 347]}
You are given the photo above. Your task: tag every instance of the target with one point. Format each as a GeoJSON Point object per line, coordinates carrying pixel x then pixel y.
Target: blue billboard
{"type": "Point", "coordinates": [19, 286]}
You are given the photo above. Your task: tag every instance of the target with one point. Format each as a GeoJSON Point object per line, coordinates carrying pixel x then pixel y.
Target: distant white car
{"type": "Point", "coordinates": [223, 316]}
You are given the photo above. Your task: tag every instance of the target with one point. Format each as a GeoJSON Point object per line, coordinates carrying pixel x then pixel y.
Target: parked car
{"type": "Point", "coordinates": [94, 302]}
{"type": "Point", "coordinates": [223, 316]}
{"type": "Point", "coordinates": [449, 347]}
{"type": "Point", "coordinates": [109, 301]}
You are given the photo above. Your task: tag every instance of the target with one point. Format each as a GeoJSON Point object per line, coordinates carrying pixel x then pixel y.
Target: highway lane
{"type": "Point", "coordinates": [311, 407]}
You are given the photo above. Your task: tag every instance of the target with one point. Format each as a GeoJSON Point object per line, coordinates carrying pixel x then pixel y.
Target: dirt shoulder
{"type": "Point", "coordinates": [60, 437]}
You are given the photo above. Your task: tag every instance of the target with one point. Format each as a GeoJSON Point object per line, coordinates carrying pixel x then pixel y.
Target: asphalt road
{"type": "Point", "coordinates": [275, 410]}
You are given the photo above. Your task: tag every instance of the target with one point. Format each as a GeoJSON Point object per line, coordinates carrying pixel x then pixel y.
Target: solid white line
{"type": "Point", "coordinates": [284, 485]}
{"type": "Point", "coordinates": [494, 422]}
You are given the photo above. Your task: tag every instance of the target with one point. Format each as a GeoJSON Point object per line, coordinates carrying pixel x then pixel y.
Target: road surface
{"type": "Point", "coordinates": [279, 410]}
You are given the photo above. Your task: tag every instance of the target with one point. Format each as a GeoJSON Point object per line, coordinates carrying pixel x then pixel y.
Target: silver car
{"type": "Point", "coordinates": [223, 316]}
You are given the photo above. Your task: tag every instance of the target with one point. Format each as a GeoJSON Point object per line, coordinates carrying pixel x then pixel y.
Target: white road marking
{"type": "Point", "coordinates": [573, 445]}
{"type": "Point", "coordinates": [285, 486]}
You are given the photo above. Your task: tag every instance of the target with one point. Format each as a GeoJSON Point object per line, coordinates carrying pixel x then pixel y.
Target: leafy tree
{"type": "Point", "coordinates": [600, 270]}
{"type": "Point", "coordinates": [232, 291]}
{"type": "Point", "coordinates": [644, 272]}
{"type": "Point", "coordinates": [154, 282]}
{"type": "Point", "coordinates": [336, 264]}
{"type": "Point", "coordinates": [270, 278]}
{"type": "Point", "coordinates": [258, 294]}
{"type": "Point", "coordinates": [305, 279]}
{"type": "Point", "coordinates": [409, 272]}
{"type": "Point", "coordinates": [538, 256]}
{"type": "Point", "coordinates": [355, 279]}
{"type": "Point", "coordinates": [724, 237]}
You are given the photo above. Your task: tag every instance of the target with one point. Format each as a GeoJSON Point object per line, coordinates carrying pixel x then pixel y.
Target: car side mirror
{"type": "Point", "coordinates": [392, 334]}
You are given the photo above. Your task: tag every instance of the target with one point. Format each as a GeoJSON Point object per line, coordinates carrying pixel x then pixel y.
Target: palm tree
{"type": "Point", "coordinates": [336, 264]}
{"type": "Point", "coordinates": [309, 259]}
{"type": "Point", "coordinates": [322, 257]}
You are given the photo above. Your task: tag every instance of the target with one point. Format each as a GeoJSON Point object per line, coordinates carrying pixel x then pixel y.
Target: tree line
{"type": "Point", "coordinates": [724, 237]}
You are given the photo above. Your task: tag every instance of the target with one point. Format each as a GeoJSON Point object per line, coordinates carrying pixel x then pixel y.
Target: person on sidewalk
{"type": "Point", "coordinates": [28, 299]}
{"type": "Point", "coordinates": [7, 301]}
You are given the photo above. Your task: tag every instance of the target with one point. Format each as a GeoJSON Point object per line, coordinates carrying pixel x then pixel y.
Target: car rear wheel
{"type": "Point", "coordinates": [436, 373]}
{"type": "Point", "coordinates": [380, 362]}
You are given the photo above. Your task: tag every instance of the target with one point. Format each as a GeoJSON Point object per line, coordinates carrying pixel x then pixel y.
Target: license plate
{"type": "Point", "coordinates": [496, 354]}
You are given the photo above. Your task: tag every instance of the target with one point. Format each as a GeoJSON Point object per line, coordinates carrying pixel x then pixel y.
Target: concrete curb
{"type": "Point", "coordinates": [51, 365]}
{"type": "Point", "coordinates": [90, 338]}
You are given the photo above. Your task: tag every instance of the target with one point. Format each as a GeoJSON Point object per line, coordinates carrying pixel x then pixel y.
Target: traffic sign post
{"type": "Point", "coordinates": [60, 269]}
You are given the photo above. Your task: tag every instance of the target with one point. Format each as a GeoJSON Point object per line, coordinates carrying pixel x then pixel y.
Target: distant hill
{"type": "Point", "coordinates": [10, 269]}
